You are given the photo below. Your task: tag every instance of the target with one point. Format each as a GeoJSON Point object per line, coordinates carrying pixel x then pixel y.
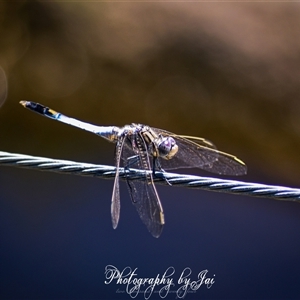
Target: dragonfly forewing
{"type": "Point", "coordinates": [193, 153]}
{"type": "Point", "coordinates": [115, 200]}
{"type": "Point", "coordinates": [143, 192]}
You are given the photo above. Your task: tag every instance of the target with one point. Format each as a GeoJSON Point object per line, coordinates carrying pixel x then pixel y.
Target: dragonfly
{"type": "Point", "coordinates": [150, 149]}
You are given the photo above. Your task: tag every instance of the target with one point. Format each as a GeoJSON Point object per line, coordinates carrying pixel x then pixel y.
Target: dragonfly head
{"type": "Point", "coordinates": [167, 147]}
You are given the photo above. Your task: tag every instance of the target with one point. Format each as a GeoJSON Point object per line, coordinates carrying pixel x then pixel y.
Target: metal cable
{"type": "Point", "coordinates": [191, 181]}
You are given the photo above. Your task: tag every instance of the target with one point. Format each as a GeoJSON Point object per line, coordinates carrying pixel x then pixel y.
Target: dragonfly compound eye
{"type": "Point", "coordinates": [167, 148]}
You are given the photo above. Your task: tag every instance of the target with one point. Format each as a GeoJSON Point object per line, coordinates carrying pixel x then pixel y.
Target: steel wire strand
{"type": "Point", "coordinates": [174, 179]}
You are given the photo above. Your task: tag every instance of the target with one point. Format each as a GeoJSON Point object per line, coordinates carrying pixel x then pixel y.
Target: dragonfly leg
{"type": "Point", "coordinates": [156, 164]}
{"type": "Point", "coordinates": [131, 161]}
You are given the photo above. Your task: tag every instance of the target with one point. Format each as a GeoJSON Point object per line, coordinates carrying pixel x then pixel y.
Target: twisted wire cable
{"type": "Point", "coordinates": [174, 179]}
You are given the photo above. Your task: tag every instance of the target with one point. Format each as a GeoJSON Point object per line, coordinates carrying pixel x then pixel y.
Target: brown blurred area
{"type": "Point", "coordinates": [229, 72]}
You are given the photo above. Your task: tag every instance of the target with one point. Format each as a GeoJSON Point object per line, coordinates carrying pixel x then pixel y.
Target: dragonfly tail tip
{"type": "Point", "coordinates": [23, 103]}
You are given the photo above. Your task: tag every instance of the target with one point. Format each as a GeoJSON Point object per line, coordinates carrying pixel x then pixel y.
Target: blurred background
{"type": "Point", "coordinates": [228, 72]}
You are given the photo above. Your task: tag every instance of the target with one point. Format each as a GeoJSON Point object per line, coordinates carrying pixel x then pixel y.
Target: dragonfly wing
{"type": "Point", "coordinates": [200, 141]}
{"type": "Point", "coordinates": [115, 200]}
{"type": "Point", "coordinates": [200, 153]}
{"type": "Point", "coordinates": [146, 201]}
{"type": "Point", "coordinates": [143, 193]}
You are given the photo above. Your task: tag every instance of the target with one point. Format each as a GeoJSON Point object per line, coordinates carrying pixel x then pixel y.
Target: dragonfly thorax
{"type": "Point", "coordinates": [157, 145]}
